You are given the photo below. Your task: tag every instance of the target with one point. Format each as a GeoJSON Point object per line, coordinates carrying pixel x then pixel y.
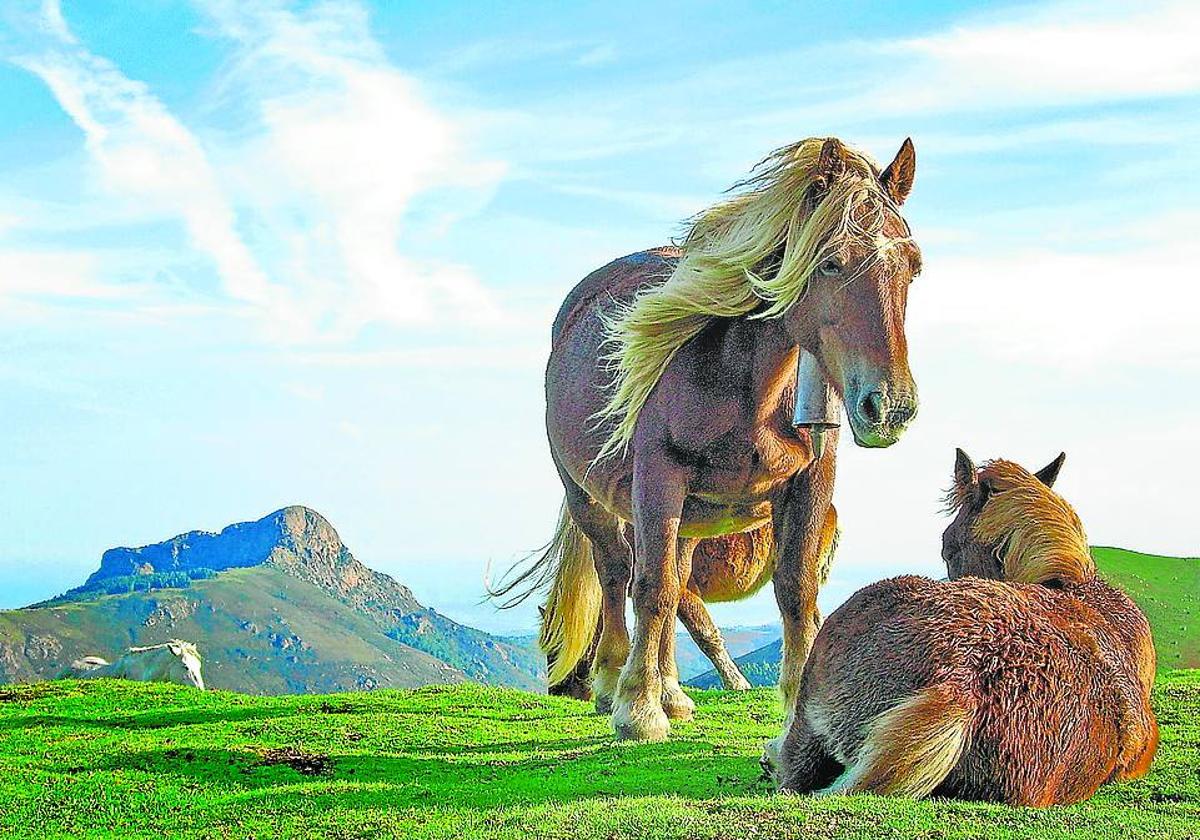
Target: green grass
{"type": "Point", "coordinates": [135, 759]}
{"type": "Point", "coordinates": [1167, 589]}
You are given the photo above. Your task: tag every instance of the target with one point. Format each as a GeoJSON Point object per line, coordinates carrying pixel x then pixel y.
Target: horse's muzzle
{"type": "Point", "coordinates": [879, 417]}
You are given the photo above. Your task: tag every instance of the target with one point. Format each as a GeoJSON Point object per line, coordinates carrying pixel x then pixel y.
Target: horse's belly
{"type": "Point", "coordinates": [707, 518]}
{"type": "Point", "coordinates": [733, 566]}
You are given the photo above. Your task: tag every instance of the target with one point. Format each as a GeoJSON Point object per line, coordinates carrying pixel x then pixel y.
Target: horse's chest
{"type": "Point", "coordinates": [751, 466]}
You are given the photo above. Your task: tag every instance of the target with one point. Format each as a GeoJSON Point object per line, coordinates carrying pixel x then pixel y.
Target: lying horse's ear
{"type": "Point", "coordinates": [897, 179]}
{"type": "Point", "coordinates": [964, 470]}
{"type": "Point", "coordinates": [1049, 473]}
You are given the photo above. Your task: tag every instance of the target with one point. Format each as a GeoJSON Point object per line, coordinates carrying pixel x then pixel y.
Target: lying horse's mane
{"type": "Point", "coordinates": [786, 219]}
{"type": "Point", "coordinates": [1043, 537]}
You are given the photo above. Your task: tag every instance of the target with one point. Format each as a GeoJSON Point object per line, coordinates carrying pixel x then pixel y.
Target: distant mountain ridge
{"type": "Point", "coordinates": [277, 605]}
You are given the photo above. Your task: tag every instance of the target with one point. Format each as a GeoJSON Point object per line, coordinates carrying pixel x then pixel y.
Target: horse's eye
{"type": "Point", "coordinates": [830, 268]}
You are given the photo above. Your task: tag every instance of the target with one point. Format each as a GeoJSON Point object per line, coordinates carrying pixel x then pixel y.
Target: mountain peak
{"type": "Point", "coordinates": [296, 539]}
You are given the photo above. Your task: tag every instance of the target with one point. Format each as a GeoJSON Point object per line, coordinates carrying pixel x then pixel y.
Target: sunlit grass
{"type": "Point", "coordinates": [130, 759]}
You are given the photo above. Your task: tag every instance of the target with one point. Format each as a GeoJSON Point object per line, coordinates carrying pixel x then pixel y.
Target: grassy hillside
{"type": "Point", "coordinates": [1168, 591]}
{"type": "Point", "coordinates": [276, 605]}
{"type": "Point", "coordinates": [260, 630]}
{"type": "Point", "coordinates": [264, 631]}
{"type": "Point", "coordinates": [151, 760]}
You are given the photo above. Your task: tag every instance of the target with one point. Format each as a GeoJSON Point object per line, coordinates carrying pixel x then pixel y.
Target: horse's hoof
{"type": "Point", "coordinates": [679, 712]}
{"type": "Point", "coordinates": [678, 706]}
{"type": "Point", "coordinates": [641, 722]}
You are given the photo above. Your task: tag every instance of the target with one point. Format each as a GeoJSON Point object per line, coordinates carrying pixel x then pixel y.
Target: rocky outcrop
{"type": "Point", "coordinates": [296, 539]}
{"type": "Point", "coordinates": [278, 604]}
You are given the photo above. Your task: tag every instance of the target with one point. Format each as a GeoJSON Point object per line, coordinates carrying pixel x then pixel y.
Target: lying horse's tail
{"type": "Point", "coordinates": [911, 748]}
{"type": "Point", "coordinates": [572, 609]}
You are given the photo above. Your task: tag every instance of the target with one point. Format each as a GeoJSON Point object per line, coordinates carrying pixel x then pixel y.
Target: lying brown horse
{"type": "Point", "coordinates": [670, 392]}
{"type": "Point", "coordinates": [1025, 679]}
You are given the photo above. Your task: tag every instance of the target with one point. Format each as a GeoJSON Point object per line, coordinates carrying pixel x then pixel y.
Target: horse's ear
{"type": "Point", "coordinates": [1049, 473]}
{"type": "Point", "coordinates": [964, 470]}
{"type": "Point", "coordinates": [897, 179]}
{"type": "Point", "coordinates": [831, 162]}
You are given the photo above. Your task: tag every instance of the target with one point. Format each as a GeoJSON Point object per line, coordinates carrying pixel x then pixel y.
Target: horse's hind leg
{"type": "Point", "coordinates": [614, 565]}
{"type": "Point", "coordinates": [613, 559]}
{"type": "Point", "coordinates": [707, 637]}
{"type": "Point", "coordinates": [675, 702]}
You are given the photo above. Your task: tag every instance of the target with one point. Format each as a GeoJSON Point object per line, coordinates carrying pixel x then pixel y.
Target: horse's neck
{"type": "Point", "coordinates": [760, 350]}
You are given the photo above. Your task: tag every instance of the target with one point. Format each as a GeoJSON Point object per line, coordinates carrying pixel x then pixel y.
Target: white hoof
{"type": "Point", "coordinates": [640, 721]}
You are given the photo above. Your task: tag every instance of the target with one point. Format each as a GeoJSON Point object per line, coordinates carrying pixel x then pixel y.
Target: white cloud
{"type": "Point", "coordinates": [1062, 53]}
{"type": "Point", "coordinates": [143, 154]}
{"type": "Point", "coordinates": [347, 145]}
{"type": "Point", "coordinates": [1115, 307]}
{"type": "Point", "coordinates": [598, 56]}
{"type": "Point", "coordinates": [53, 274]}
{"type": "Point", "coordinates": [301, 211]}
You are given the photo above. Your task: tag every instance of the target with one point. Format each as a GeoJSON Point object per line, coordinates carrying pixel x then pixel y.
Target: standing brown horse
{"type": "Point", "coordinates": [670, 392]}
{"type": "Point", "coordinates": [1025, 679]}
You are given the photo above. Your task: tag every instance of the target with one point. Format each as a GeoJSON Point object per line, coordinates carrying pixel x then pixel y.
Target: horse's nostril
{"type": "Point", "coordinates": [871, 407]}
{"type": "Point", "coordinates": [902, 413]}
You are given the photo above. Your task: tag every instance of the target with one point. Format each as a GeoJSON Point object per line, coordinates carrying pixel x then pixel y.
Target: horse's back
{"type": "Point", "coordinates": [577, 377]}
{"type": "Point", "coordinates": [618, 280]}
{"type": "Point", "coordinates": [1029, 663]}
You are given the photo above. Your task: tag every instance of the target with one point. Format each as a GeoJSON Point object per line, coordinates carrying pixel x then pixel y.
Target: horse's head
{"type": "Point", "coordinates": [184, 666]}
{"type": "Point", "coordinates": [854, 302]}
{"type": "Point", "coordinates": [1009, 526]}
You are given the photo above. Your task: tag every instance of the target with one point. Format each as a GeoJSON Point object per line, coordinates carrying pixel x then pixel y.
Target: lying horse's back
{"type": "Point", "coordinates": [980, 670]}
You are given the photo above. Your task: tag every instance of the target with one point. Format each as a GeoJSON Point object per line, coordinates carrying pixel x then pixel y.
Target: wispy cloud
{"type": "Point", "coordinates": [301, 212]}
{"type": "Point", "coordinates": [346, 144]}
{"type": "Point", "coordinates": [143, 153]}
{"type": "Point", "coordinates": [598, 56]}
{"type": "Point", "coordinates": [1119, 308]}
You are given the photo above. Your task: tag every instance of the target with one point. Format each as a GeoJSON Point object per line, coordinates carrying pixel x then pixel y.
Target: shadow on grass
{"type": "Point", "coordinates": [561, 770]}
{"type": "Point", "coordinates": [158, 719]}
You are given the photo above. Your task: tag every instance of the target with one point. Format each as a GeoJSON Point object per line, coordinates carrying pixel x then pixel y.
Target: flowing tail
{"type": "Point", "coordinates": [911, 748]}
{"type": "Point", "coordinates": [572, 608]}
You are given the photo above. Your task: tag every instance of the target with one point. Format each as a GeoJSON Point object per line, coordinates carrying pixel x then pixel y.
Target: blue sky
{"type": "Point", "coordinates": [255, 254]}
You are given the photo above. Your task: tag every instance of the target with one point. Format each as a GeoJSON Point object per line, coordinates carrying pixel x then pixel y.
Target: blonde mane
{"type": "Point", "coordinates": [1042, 535]}
{"type": "Point", "coordinates": [725, 249]}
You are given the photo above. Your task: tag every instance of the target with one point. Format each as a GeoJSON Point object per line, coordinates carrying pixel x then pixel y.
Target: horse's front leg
{"type": "Point", "coordinates": [805, 527]}
{"type": "Point", "coordinates": [658, 494]}
{"type": "Point", "coordinates": [676, 703]}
